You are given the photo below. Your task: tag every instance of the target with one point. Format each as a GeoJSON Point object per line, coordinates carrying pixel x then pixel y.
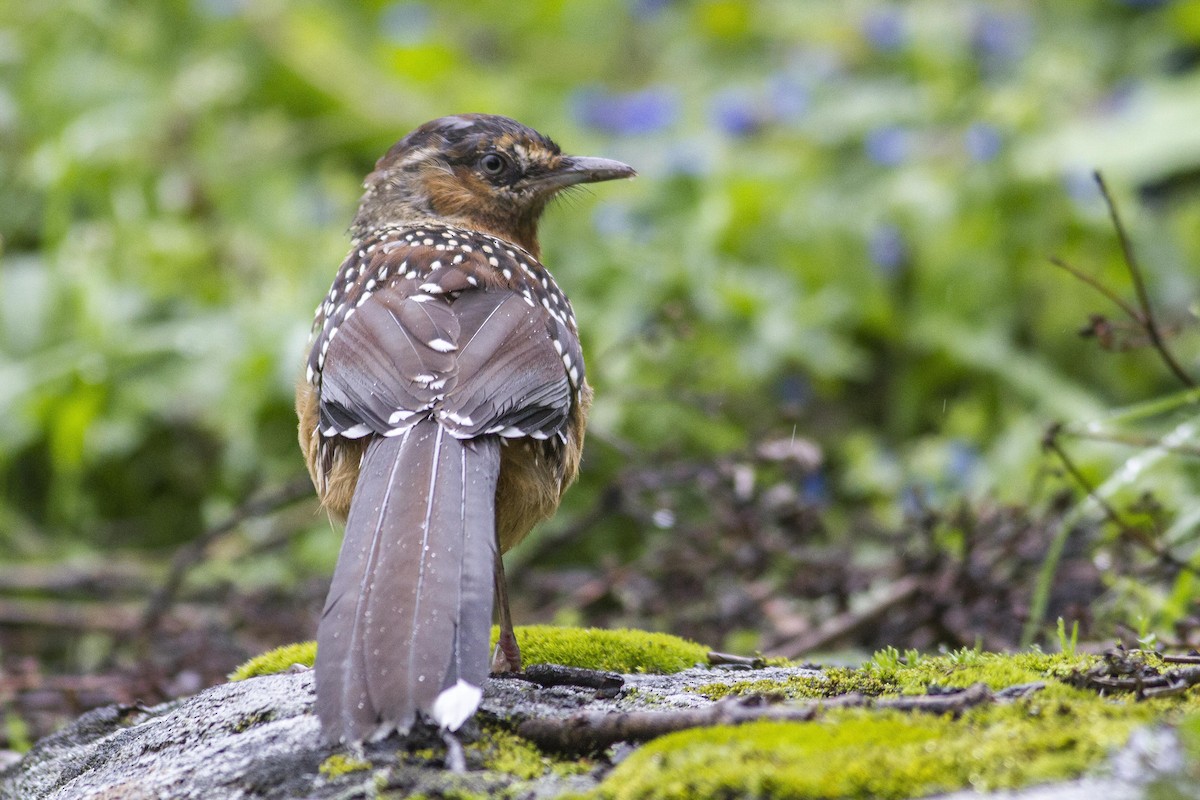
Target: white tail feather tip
{"type": "Point", "coordinates": [455, 705]}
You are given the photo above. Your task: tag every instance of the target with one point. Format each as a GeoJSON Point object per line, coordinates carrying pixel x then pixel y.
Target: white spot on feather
{"type": "Point", "coordinates": [455, 705]}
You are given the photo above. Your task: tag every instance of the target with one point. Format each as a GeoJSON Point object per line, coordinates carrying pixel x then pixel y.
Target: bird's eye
{"type": "Point", "coordinates": [493, 164]}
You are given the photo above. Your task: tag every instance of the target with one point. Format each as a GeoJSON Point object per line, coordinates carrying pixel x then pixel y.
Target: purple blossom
{"type": "Point", "coordinates": [890, 145]}
{"type": "Point", "coordinates": [736, 113]}
{"type": "Point", "coordinates": [787, 97]}
{"type": "Point", "coordinates": [627, 113]}
{"type": "Point", "coordinates": [884, 30]}
{"type": "Point", "coordinates": [888, 249]}
{"type": "Point", "coordinates": [814, 489]}
{"type": "Point", "coordinates": [982, 141]}
{"type": "Point", "coordinates": [1000, 37]}
{"type": "Point", "coordinates": [962, 461]}
{"type": "Point", "coordinates": [794, 391]}
{"type": "Point", "coordinates": [647, 9]}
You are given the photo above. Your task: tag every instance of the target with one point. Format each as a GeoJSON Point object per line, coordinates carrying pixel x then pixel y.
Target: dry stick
{"type": "Point", "coordinates": [1139, 536]}
{"type": "Point", "coordinates": [1095, 283]}
{"type": "Point", "coordinates": [846, 623]}
{"type": "Point", "coordinates": [1188, 659]}
{"type": "Point", "coordinates": [1146, 317]}
{"type": "Point", "coordinates": [1171, 682]}
{"type": "Point", "coordinates": [592, 731]}
{"type": "Point", "coordinates": [188, 555]}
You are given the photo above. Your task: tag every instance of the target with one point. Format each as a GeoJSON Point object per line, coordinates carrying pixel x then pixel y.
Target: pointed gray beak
{"type": "Point", "coordinates": [583, 169]}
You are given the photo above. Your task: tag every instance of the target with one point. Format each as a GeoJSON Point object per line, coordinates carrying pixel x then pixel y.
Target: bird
{"type": "Point", "coordinates": [442, 411]}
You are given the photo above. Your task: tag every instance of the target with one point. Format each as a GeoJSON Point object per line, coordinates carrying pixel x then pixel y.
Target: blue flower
{"type": "Point", "coordinates": [884, 29]}
{"type": "Point", "coordinates": [961, 463]}
{"type": "Point", "coordinates": [646, 9]}
{"type": "Point", "coordinates": [814, 489]}
{"type": "Point", "coordinates": [888, 249]}
{"type": "Point", "coordinates": [629, 113]}
{"type": "Point", "coordinates": [982, 141]}
{"type": "Point", "coordinates": [787, 97]}
{"type": "Point", "coordinates": [736, 113]}
{"type": "Point", "coordinates": [1000, 37]}
{"type": "Point", "coordinates": [889, 145]}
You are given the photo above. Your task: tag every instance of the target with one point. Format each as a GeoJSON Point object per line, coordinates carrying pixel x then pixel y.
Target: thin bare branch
{"type": "Point", "coordinates": [1139, 536]}
{"type": "Point", "coordinates": [1101, 288]}
{"type": "Point", "coordinates": [1146, 316]}
{"type": "Point", "coordinates": [191, 553]}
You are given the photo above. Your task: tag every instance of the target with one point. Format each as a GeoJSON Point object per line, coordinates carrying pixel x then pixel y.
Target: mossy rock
{"type": "Point", "coordinates": [1055, 733]}
{"type": "Point", "coordinates": [625, 651]}
{"type": "Point", "coordinates": [622, 650]}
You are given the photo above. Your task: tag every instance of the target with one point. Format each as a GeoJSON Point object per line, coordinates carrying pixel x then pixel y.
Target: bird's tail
{"type": "Point", "coordinates": [406, 623]}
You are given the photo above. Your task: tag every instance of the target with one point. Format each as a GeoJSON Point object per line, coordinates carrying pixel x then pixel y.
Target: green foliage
{"type": "Point", "coordinates": [1067, 644]}
{"type": "Point", "coordinates": [841, 229]}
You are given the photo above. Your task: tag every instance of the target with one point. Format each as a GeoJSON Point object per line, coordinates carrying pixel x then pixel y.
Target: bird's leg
{"type": "Point", "coordinates": [507, 655]}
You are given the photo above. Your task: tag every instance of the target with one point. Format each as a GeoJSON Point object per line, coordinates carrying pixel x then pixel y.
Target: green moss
{"type": "Point", "coordinates": [337, 765]}
{"type": "Point", "coordinates": [888, 673]}
{"type": "Point", "coordinates": [832, 682]}
{"type": "Point", "coordinates": [1052, 735]}
{"type": "Point", "coordinates": [615, 650]}
{"type": "Point", "coordinates": [506, 752]}
{"type": "Point", "coordinates": [275, 661]}
{"type": "Point", "coordinates": [253, 720]}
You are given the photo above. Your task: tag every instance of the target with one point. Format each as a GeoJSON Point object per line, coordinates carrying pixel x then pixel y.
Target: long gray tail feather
{"type": "Point", "coordinates": [409, 611]}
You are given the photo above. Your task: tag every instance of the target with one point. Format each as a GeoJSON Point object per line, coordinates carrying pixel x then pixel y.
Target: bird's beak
{"type": "Point", "coordinates": [573, 170]}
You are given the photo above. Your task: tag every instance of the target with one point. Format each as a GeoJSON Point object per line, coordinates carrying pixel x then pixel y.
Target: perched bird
{"type": "Point", "coordinates": [442, 413]}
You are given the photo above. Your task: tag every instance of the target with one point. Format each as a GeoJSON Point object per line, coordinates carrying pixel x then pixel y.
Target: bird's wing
{"type": "Point", "coordinates": [481, 340]}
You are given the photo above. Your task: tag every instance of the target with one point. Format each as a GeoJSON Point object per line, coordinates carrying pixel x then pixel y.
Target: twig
{"type": "Point", "coordinates": [718, 659]}
{"type": "Point", "coordinates": [1146, 317]}
{"type": "Point", "coordinates": [120, 619]}
{"type": "Point", "coordinates": [191, 553]}
{"type": "Point", "coordinates": [592, 731]}
{"type": "Point", "coordinates": [842, 625]}
{"type": "Point", "coordinates": [1099, 287]}
{"type": "Point", "coordinates": [1188, 659]}
{"type": "Point", "coordinates": [606, 684]}
{"type": "Point", "coordinates": [1173, 681]}
{"type": "Point", "coordinates": [106, 580]}
{"type": "Point", "coordinates": [1050, 442]}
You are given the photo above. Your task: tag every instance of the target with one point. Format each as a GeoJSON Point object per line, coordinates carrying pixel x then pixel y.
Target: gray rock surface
{"type": "Point", "coordinates": [259, 739]}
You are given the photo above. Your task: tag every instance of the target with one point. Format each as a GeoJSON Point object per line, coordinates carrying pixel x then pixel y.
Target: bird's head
{"type": "Point", "coordinates": [477, 171]}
